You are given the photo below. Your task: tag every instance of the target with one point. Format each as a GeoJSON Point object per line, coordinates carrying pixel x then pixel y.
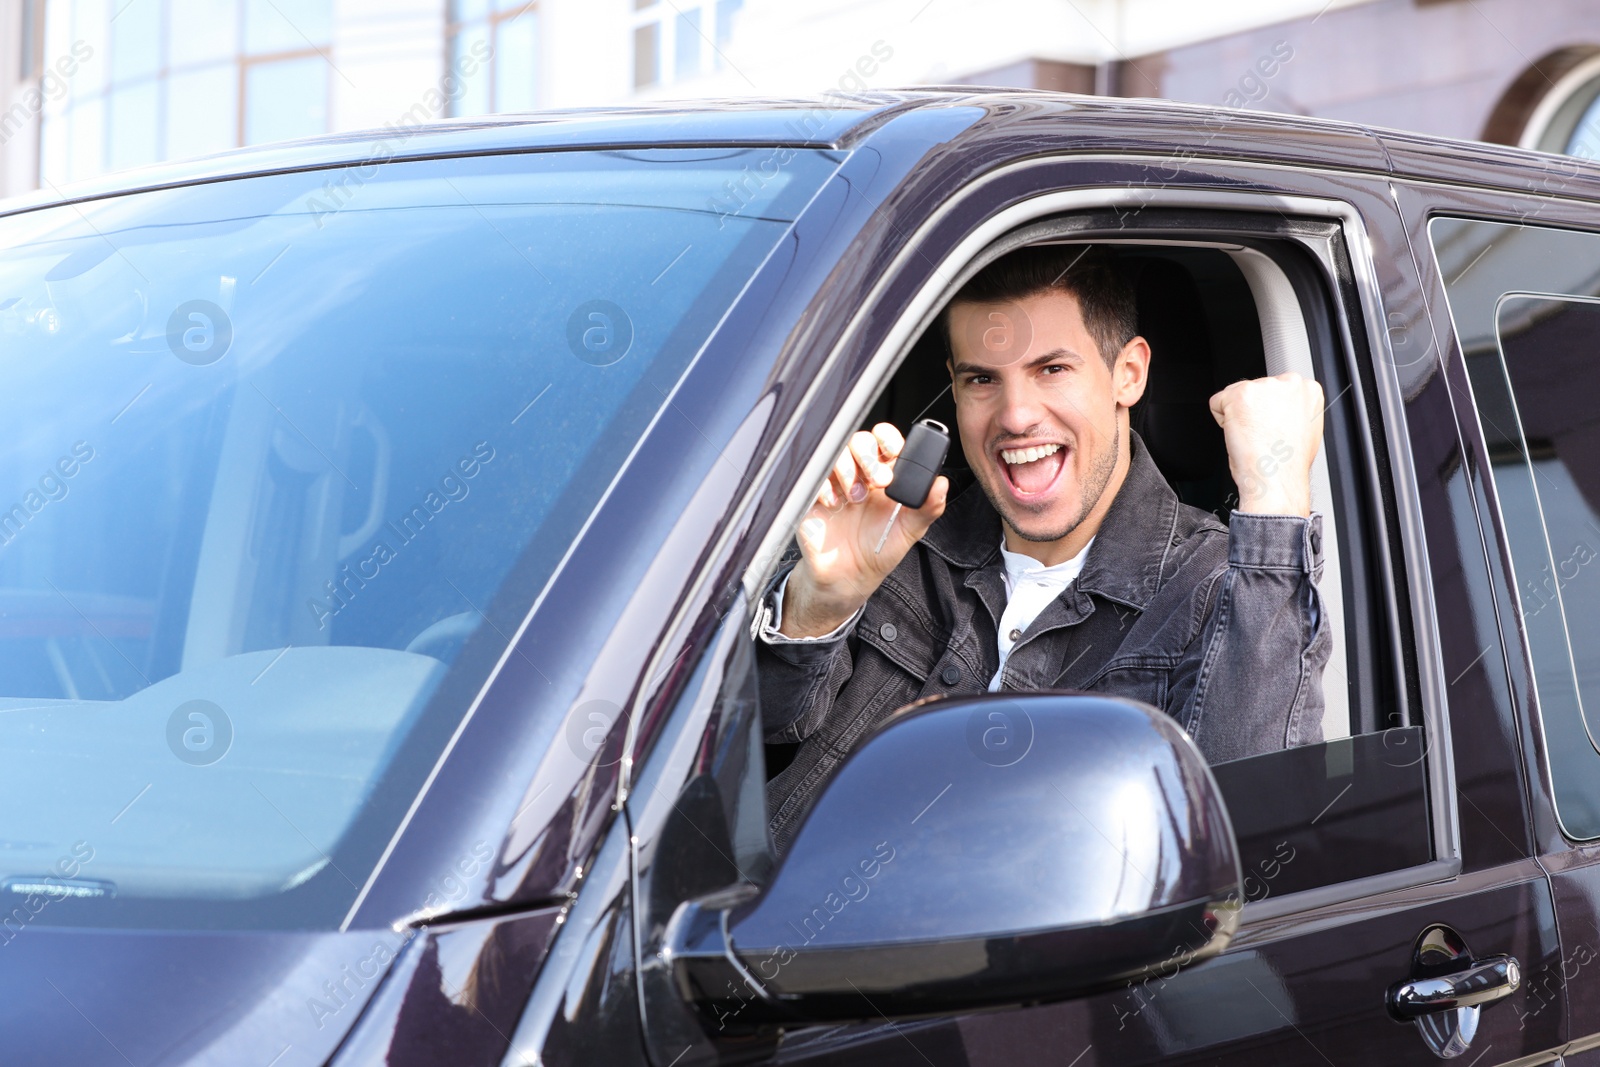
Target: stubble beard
{"type": "Point", "coordinates": [1095, 483]}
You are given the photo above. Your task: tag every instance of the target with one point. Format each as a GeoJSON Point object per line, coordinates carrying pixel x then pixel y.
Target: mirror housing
{"type": "Point", "coordinates": [982, 851]}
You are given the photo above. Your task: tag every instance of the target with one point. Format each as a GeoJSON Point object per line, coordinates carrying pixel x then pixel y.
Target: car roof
{"type": "Point", "coordinates": [843, 119]}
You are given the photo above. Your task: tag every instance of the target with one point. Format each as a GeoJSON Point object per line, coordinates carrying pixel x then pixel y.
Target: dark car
{"type": "Point", "coordinates": [384, 516]}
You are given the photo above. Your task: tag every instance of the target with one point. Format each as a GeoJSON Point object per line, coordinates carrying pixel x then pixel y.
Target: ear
{"type": "Point", "coordinates": [1130, 373]}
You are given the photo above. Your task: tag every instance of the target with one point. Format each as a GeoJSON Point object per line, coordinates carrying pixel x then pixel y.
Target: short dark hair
{"type": "Point", "coordinates": [1105, 296]}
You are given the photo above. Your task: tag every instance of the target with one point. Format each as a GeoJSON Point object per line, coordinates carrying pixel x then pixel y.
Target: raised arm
{"type": "Point", "coordinates": [1254, 682]}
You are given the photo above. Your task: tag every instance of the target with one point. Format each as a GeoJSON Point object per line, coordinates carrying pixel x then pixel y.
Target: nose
{"type": "Point", "coordinates": [1020, 407]}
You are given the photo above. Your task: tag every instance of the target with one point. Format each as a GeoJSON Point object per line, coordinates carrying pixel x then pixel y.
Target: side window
{"type": "Point", "coordinates": [1525, 303]}
{"type": "Point", "coordinates": [1355, 805]}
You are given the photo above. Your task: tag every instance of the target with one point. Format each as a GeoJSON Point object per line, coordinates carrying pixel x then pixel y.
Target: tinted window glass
{"type": "Point", "coordinates": [271, 447]}
{"type": "Point", "coordinates": [1328, 813]}
{"type": "Point", "coordinates": [1522, 300]}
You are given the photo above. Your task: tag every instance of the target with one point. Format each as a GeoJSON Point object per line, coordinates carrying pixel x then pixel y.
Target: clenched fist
{"type": "Point", "coordinates": [840, 564]}
{"type": "Point", "coordinates": [1273, 428]}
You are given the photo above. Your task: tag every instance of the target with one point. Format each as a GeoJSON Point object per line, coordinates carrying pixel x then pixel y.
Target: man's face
{"type": "Point", "coordinates": [1038, 408]}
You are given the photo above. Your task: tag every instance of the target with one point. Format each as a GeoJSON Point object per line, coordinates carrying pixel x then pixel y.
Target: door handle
{"type": "Point", "coordinates": [1484, 982]}
{"type": "Point", "coordinates": [1448, 990]}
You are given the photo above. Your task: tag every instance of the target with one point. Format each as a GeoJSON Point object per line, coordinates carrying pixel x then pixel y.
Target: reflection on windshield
{"type": "Point", "coordinates": [266, 466]}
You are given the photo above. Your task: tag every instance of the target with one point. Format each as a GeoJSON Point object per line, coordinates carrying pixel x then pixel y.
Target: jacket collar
{"type": "Point", "coordinates": [1130, 550]}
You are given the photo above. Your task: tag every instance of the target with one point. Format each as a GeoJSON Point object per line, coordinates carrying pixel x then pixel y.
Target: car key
{"type": "Point", "coordinates": [915, 469]}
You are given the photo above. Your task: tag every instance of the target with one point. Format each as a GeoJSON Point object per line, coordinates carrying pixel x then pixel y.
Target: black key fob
{"type": "Point", "coordinates": [919, 462]}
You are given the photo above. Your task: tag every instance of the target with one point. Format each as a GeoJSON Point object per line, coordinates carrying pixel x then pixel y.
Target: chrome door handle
{"type": "Point", "coordinates": [1485, 982]}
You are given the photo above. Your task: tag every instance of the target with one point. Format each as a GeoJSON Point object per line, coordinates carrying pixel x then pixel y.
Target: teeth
{"type": "Point", "coordinates": [1028, 455]}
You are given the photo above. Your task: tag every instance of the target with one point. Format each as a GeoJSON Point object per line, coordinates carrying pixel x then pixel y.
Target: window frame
{"type": "Point", "coordinates": [30, 40]}
{"type": "Point", "coordinates": [1345, 256]}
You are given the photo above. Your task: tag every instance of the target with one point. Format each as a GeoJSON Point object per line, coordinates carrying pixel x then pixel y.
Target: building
{"type": "Point", "coordinates": [88, 86]}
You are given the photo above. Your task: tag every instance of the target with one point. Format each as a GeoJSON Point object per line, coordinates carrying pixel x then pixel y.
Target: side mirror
{"type": "Point", "coordinates": [992, 850]}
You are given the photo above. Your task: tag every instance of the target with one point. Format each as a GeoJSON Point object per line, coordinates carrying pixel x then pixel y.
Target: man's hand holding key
{"type": "Point", "coordinates": [840, 567]}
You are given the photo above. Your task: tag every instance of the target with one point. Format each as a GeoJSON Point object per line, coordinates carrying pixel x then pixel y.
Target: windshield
{"type": "Point", "coordinates": [271, 448]}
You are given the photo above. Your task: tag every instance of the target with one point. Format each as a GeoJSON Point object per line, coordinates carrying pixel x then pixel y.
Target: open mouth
{"type": "Point", "coordinates": [1034, 470]}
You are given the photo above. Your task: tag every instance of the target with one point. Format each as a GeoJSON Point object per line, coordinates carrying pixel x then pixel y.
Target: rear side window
{"type": "Point", "coordinates": [1525, 302]}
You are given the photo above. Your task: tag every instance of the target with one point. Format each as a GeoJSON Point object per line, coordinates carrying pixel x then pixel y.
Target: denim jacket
{"type": "Point", "coordinates": [1220, 627]}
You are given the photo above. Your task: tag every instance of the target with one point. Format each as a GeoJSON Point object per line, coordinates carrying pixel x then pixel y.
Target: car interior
{"type": "Point", "coordinates": [1216, 311]}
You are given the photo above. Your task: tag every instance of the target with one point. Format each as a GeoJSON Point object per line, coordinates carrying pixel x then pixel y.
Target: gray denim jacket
{"type": "Point", "coordinates": [1217, 626]}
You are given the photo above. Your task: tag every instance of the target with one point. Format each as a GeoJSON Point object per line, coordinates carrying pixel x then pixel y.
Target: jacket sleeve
{"type": "Point", "coordinates": [800, 678]}
{"type": "Point", "coordinates": [1252, 680]}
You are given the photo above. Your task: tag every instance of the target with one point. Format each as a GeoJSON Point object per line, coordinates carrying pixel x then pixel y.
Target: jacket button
{"type": "Point", "coordinates": [888, 631]}
{"type": "Point", "coordinates": [1014, 635]}
{"type": "Point", "coordinates": [1176, 541]}
{"type": "Point", "coordinates": [950, 675]}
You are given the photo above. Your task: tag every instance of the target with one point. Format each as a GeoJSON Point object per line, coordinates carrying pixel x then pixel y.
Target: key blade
{"type": "Point", "coordinates": [884, 539]}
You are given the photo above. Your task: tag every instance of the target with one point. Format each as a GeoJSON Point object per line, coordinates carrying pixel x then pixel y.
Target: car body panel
{"type": "Point", "coordinates": [834, 120]}
{"type": "Point", "coordinates": [456, 992]}
{"type": "Point", "coordinates": [1468, 164]}
{"type": "Point", "coordinates": [1269, 1000]}
{"type": "Point", "coordinates": [90, 996]}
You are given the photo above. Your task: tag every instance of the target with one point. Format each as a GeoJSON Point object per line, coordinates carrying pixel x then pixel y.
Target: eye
{"type": "Point", "coordinates": [979, 379]}
{"type": "Point", "coordinates": [1053, 368]}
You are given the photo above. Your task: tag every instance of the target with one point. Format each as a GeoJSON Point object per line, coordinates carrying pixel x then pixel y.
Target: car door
{"type": "Point", "coordinates": [1341, 906]}
{"type": "Point", "coordinates": [1512, 275]}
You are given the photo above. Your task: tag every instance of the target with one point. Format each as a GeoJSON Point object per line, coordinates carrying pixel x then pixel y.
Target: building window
{"type": "Point", "coordinates": [678, 42]}
{"type": "Point", "coordinates": [168, 79]}
{"type": "Point", "coordinates": [1567, 116]}
{"type": "Point", "coordinates": [646, 54]}
{"type": "Point", "coordinates": [493, 51]}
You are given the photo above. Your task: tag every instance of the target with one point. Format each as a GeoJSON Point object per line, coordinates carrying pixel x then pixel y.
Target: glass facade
{"type": "Point", "coordinates": [128, 83]}
{"type": "Point", "coordinates": [493, 45]}
{"type": "Point", "coordinates": [166, 79]}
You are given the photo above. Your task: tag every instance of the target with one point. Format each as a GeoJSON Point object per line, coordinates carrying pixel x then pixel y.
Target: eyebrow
{"type": "Point", "coordinates": [1038, 361]}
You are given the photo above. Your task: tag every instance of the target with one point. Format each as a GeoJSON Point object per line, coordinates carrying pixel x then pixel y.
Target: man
{"type": "Point", "coordinates": [1070, 564]}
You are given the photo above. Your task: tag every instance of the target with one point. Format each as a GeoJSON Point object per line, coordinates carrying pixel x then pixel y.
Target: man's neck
{"type": "Point", "coordinates": [1077, 539]}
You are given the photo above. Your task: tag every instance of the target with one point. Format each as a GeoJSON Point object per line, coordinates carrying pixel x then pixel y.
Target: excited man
{"type": "Point", "coordinates": [1070, 564]}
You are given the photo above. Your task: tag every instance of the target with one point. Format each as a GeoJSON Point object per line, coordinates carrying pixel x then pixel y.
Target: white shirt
{"type": "Point", "coordinates": [1030, 587]}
